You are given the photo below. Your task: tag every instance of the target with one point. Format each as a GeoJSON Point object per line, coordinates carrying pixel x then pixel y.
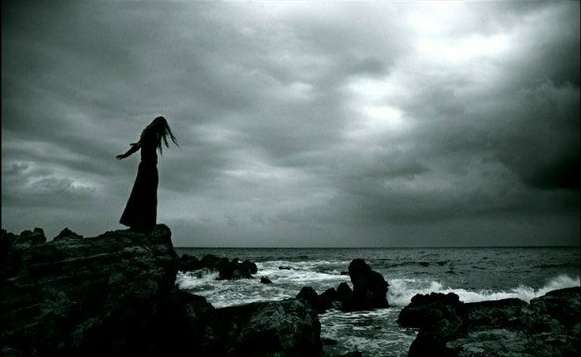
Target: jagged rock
{"type": "Point", "coordinates": [504, 313]}
{"type": "Point", "coordinates": [279, 328]}
{"type": "Point", "coordinates": [249, 266]}
{"type": "Point", "coordinates": [9, 257]}
{"type": "Point", "coordinates": [369, 287]}
{"type": "Point", "coordinates": [67, 234]}
{"type": "Point", "coordinates": [344, 294]}
{"type": "Point", "coordinates": [229, 270]}
{"type": "Point", "coordinates": [189, 263]}
{"type": "Point", "coordinates": [211, 261]}
{"type": "Point", "coordinates": [28, 239]}
{"type": "Point", "coordinates": [428, 309]}
{"type": "Point", "coordinates": [115, 295]}
{"type": "Point", "coordinates": [320, 303]}
{"type": "Point", "coordinates": [548, 326]}
{"type": "Point", "coordinates": [265, 280]}
{"type": "Point", "coordinates": [87, 297]}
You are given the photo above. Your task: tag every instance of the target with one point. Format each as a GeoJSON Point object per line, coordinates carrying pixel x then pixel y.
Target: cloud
{"type": "Point", "coordinates": [313, 124]}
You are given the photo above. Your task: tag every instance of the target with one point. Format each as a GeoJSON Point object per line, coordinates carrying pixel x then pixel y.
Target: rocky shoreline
{"type": "Point", "coordinates": [116, 295]}
{"type": "Point", "coordinates": [549, 325]}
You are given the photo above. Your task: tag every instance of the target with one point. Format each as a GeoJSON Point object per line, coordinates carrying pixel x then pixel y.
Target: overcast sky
{"type": "Point", "coordinates": [299, 124]}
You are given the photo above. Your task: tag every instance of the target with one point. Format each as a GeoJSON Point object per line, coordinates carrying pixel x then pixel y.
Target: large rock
{"type": "Point", "coordinates": [548, 326]}
{"type": "Point", "coordinates": [232, 270]}
{"type": "Point", "coordinates": [67, 234]}
{"type": "Point", "coordinates": [425, 310]}
{"type": "Point", "coordinates": [27, 238]}
{"type": "Point", "coordinates": [369, 287]}
{"type": "Point", "coordinates": [278, 328]}
{"type": "Point", "coordinates": [189, 263]}
{"type": "Point", "coordinates": [227, 269]}
{"type": "Point", "coordinates": [89, 297]}
{"type": "Point", "coordinates": [115, 295]}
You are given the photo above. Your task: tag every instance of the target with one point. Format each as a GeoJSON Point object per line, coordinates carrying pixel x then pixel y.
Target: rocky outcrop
{"type": "Point", "coordinates": [115, 295]}
{"type": "Point", "coordinates": [85, 296]}
{"type": "Point", "coordinates": [25, 239]}
{"type": "Point", "coordinates": [67, 234]}
{"type": "Point", "coordinates": [548, 326]}
{"type": "Point", "coordinates": [234, 269]}
{"type": "Point", "coordinates": [369, 287]}
{"type": "Point", "coordinates": [369, 291]}
{"type": "Point", "coordinates": [278, 328]}
{"type": "Point", "coordinates": [227, 269]}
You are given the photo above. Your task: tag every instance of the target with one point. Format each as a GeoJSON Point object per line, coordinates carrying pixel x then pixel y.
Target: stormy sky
{"type": "Point", "coordinates": [299, 123]}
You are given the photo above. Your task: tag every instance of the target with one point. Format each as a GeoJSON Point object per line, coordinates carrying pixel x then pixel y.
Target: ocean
{"type": "Point", "coordinates": [475, 274]}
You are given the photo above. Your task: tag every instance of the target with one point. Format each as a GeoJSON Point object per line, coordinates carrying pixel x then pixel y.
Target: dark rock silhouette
{"type": "Point", "coordinates": [67, 234]}
{"type": "Point", "coordinates": [227, 269]}
{"type": "Point", "coordinates": [281, 328]}
{"type": "Point", "coordinates": [548, 326]}
{"type": "Point", "coordinates": [27, 238]}
{"type": "Point", "coordinates": [427, 309]}
{"type": "Point", "coordinates": [115, 295]}
{"type": "Point", "coordinates": [344, 294]}
{"type": "Point", "coordinates": [233, 269]}
{"type": "Point", "coordinates": [86, 297]}
{"type": "Point", "coordinates": [189, 263]}
{"type": "Point", "coordinates": [265, 280]}
{"type": "Point", "coordinates": [369, 287]}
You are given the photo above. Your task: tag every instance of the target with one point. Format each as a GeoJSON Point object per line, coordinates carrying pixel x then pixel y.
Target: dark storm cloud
{"type": "Point", "coordinates": [299, 123]}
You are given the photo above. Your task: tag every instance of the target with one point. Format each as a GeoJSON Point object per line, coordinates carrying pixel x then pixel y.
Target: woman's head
{"type": "Point", "coordinates": [161, 130]}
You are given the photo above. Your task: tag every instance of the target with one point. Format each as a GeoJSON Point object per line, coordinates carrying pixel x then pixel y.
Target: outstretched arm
{"type": "Point", "coordinates": [134, 148]}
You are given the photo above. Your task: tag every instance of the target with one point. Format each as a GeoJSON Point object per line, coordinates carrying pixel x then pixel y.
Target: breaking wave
{"type": "Point", "coordinates": [401, 291]}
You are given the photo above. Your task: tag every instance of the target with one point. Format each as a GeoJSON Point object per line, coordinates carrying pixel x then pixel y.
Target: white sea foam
{"type": "Point", "coordinates": [401, 291]}
{"type": "Point", "coordinates": [287, 283]}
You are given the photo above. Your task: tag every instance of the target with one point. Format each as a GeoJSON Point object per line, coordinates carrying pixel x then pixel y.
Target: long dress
{"type": "Point", "coordinates": [140, 213]}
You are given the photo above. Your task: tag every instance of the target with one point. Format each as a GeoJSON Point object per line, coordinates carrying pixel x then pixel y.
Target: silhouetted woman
{"type": "Point", "coordinates": [141, 210]}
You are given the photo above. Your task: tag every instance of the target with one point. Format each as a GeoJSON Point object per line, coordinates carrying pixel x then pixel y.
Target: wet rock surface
{"type": "Point", "coordinates": [549, 325]}
{"type": "Point", "coordinates": [369, 291]}
{"type": "Point", "coordinates": [115, 295]}
{"type": "Point", "coordinates": [227, 269]}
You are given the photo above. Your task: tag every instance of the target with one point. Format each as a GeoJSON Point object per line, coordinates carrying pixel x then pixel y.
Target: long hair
{"type": "Point", "coordinates": [161, 130]}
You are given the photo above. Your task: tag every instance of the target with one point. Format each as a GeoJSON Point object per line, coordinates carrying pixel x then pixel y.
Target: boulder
{"type": "Point", "coordinates": [189, 263]}
{"type": "Point", "coordinates": [369, 287]}
{"type": "Point", "coordinates": [87, 297]}
{"type": "Point", "coordinates": [265, 280]}
{"type": "Point", "coordinates": [211, 261]}
{"type": "Point", "coordinates": [277, 328]}
{"type": "Point", "coordinates": [231, 270]}
{"type": "Point", "coordinates": [27, 239]}
{"type": "Point", "coordinates": [67, 234]}
{"type": "Point", "coordinates": [344, 294]}
{"type": "Point", "coordinates": [427, 309]}
{"type": "Point", "coordinates": [115, 295]}
{"type": "Point", "coordinates": [548, 326]}
{"type": "Point", "coordinates": [227, 269]}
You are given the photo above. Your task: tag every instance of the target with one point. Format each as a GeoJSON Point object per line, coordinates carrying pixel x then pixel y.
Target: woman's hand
{"type": "Point", "coordinates": [134, 147]}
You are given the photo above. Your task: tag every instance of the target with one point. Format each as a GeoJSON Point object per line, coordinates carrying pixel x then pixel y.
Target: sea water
{"type": "Point", "coordinates": [475, 274]}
